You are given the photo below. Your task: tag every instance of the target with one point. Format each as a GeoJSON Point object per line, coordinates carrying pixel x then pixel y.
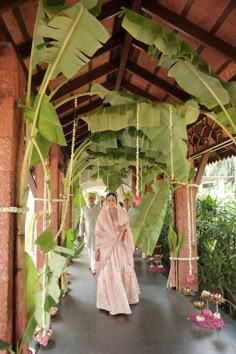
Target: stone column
{"type": "Point", "coordinates": [12, 305]}
{"type": "Point", "coordinates": [185, 221]}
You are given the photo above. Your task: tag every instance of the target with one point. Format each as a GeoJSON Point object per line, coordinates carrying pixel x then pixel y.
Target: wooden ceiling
{"type": "Point", "coordinates": [123, 63]}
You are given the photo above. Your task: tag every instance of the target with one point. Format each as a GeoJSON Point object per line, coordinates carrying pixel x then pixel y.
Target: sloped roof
{"type": "Point", "coordinates": [123, 63]}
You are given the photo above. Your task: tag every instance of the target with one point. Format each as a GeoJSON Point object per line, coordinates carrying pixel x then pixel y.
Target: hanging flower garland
{"type": "Point", "coordinates": [137, 196]}
{"type": "Point", "coordinates": [171, 143]}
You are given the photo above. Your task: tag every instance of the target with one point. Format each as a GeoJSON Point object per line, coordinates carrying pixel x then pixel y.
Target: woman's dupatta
{"type": "Point", "coordinates": [106, 237]}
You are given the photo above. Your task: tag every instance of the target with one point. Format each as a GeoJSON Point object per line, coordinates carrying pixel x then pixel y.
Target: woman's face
{"type": "Point", "coordinates": [111, 201]}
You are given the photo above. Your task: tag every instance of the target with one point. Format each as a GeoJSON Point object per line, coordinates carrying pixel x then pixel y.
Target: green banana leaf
{"type": "Point", "coordinates": [56, 264]}
{"type": "Point", "coordinates": [115, 98]}
{"type": "Point", "coordinates": [44, 146]}
{"type": "Point", "coordinates": [71, 40]}
{"type": "Point", "coordinates": [231, 88]}
{"type": "Point", "coordinates": [79, 250]}
{"type": "Point", "coordinates": [42, 317]}
{"type": "Point", "coordinates": [172, 239]}
{"type": "Point", "coordinates": [175, 242]}
{"type": "Point", "coordinates": [149, 216]}
{"type": "Point", "coordinates": [45, 241]}
{"type": "Point", "coordinates": [48, 122]}
{"type": "Point", "coordinates": [123, 116]}
{"type": "Point", "coordinates": [207, 89]}
{"type": "Point", "coordinates": [6, 346]}
{"type": "Point", "coordinates": [53, 289]}
{"type": "Point", "coordinates": [29, 332]}
{"type": "Point", "coordinates": [49, 302]}
{"type": "Point", "coordinates": [31, 285]}
{"type": "Point", "coordinates": [161, 40]}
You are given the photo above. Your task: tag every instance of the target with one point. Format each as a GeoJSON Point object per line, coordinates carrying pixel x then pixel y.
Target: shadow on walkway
{"type": "Point", "coordinates": [158, 324]}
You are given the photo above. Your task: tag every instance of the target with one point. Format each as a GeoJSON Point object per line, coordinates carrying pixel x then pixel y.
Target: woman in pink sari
{"type": "Point", "coordinates": [117, 285]}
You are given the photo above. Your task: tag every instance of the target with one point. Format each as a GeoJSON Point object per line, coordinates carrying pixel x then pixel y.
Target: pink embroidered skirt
{"type": "Point", "coordinates": [117, 285]}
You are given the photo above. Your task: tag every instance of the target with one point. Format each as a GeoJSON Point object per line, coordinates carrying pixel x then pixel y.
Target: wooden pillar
{"type": "Point", "coordinates": [185, 221]}
{"type": "Point", "coordinates": [12, 304]}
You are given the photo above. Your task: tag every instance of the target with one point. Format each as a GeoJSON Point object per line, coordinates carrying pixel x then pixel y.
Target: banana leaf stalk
{"type": "Point", "coordinates": [175, 243]}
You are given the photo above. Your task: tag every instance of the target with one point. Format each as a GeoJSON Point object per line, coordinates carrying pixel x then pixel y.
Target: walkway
{"type": "Point", "coordinates": [158, 323]}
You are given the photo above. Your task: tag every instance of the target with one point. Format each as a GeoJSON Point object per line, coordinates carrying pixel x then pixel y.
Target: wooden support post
{"type": "Point", "coordinates": [12, 305]}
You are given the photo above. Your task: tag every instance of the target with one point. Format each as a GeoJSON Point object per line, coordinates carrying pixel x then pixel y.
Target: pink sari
{"type": "Point", "coordinates": [117, 285]}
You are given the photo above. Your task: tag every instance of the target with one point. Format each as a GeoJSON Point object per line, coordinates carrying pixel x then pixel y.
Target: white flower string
{"type": "Point", "coordinates": [44, 292]}
{"type": "Point", "coordinates": [67, 193]}
{"type": "Point", "coordinates": [141, 176]}
{"type": "Point", "coordinates": [137, 149]}
{"type": "Point", "coordinates": [184, 258]}
{"type": "Point", "coordinates": [11, 209]}
{"type": "Point", "coordinates": [171, 144]}
{"type": "Point", "coordinates": [192, 216]}
{"type": "Point", "coordinates": [189, 233]}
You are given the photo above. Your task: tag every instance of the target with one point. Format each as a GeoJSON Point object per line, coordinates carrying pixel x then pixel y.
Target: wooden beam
{"type": "Point", "coordinates": [6, 5]}
{"type": "Point", "coordinates": [188, 28]}
{"type": "Point", "coordinates": [124, 57]}
{"type": "Point", "coordinates": [86, 78]}
{"type": "Point", "coordinates": [21, 23]}
{"type": "Point", "coordinates": [138, 91]}
{"type": "Point", "coordinates": [112, 43]}
{"type": "Point", "coordinates": [157, 81]}
{"type": "Point", "coordinates": [201, 167]}
{"type": "Point", "coordinates": [112, 9]}
{"type": "Point", "coordinates": [126, 49]}
{"type": "Point", "coordinates": [68, 120]}
{"type": "Point", "coordinates": [68, 107]}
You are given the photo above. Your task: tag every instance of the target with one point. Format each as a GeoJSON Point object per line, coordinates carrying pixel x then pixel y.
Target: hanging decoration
{"type": "Point", "coordinates": [137, 196]}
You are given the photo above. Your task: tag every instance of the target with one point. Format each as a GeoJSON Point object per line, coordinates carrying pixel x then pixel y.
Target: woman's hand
{"type": "Point", "coordinates": [97, 255]}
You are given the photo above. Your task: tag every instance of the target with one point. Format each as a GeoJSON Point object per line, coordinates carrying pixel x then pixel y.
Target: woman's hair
{"type": "Point", "coordinates": [113, 194]}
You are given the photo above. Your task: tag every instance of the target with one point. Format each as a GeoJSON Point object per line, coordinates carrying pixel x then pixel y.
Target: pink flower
{"type": "Point", "coordinates": [210, 321]}
{"type": "Point", "coordinates": [137, 200]}
{"type": "Point", "coordinates": [190, 278]}
{"type": "Point", "coordinates": [207, 313]}
{"type": "Point", "coordinates": [43, 337]}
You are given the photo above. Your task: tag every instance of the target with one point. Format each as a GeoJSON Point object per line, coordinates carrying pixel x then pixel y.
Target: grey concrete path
{"type": "Point", "coordinates": [158, 323]}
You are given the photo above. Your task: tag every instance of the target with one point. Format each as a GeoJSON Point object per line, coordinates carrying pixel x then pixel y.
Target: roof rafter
{"type": "Point", "coordinates": [189, 28]}
{"type": "Point", "coordinates": [157, 81]}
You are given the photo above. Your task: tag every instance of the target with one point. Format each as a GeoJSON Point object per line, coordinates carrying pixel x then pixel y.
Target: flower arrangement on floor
{"type": "Point", "coordinates": [155, 264]}
{"type": "Point", "coordinates": [204, 317]}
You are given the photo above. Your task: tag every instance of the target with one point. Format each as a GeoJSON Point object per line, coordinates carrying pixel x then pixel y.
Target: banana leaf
{"type": "Point", "coordinates": [31, 285]}
{"type": "Point", "coordinates": [72, 39]}
{"type": "Point", "coordinates": [123, 116]}
{"type": "Point", "coordinates": [79, 250]}
{"type": "Point", "coordinates": [29, 332]}
{"type": "Point", "coordinates": [115, 98]}
{"type": "Point", "coordinates": [42, 317]}
{"type": "Point", "coordinates": [161, 40]}
{"type": "Point", "coordinates": [149, 216]}
{"type": "Point", "coordinates": [46, 241]}
{"type": "Point", "coordinates": [231, 88]}
{"type": "Point", "coordinates": [44, 146]}
{"type": "Point", "coordinates": [6, 346]}
{"type": "Point", "coordinates": [207, 89]}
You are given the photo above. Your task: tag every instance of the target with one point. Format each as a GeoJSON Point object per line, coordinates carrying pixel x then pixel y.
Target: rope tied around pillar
{"type": "Point", "coordinates": [12, 209]}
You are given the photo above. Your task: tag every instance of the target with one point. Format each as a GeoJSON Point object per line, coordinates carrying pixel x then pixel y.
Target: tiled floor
{"type": "Point", "coordinates": [158, 323]}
